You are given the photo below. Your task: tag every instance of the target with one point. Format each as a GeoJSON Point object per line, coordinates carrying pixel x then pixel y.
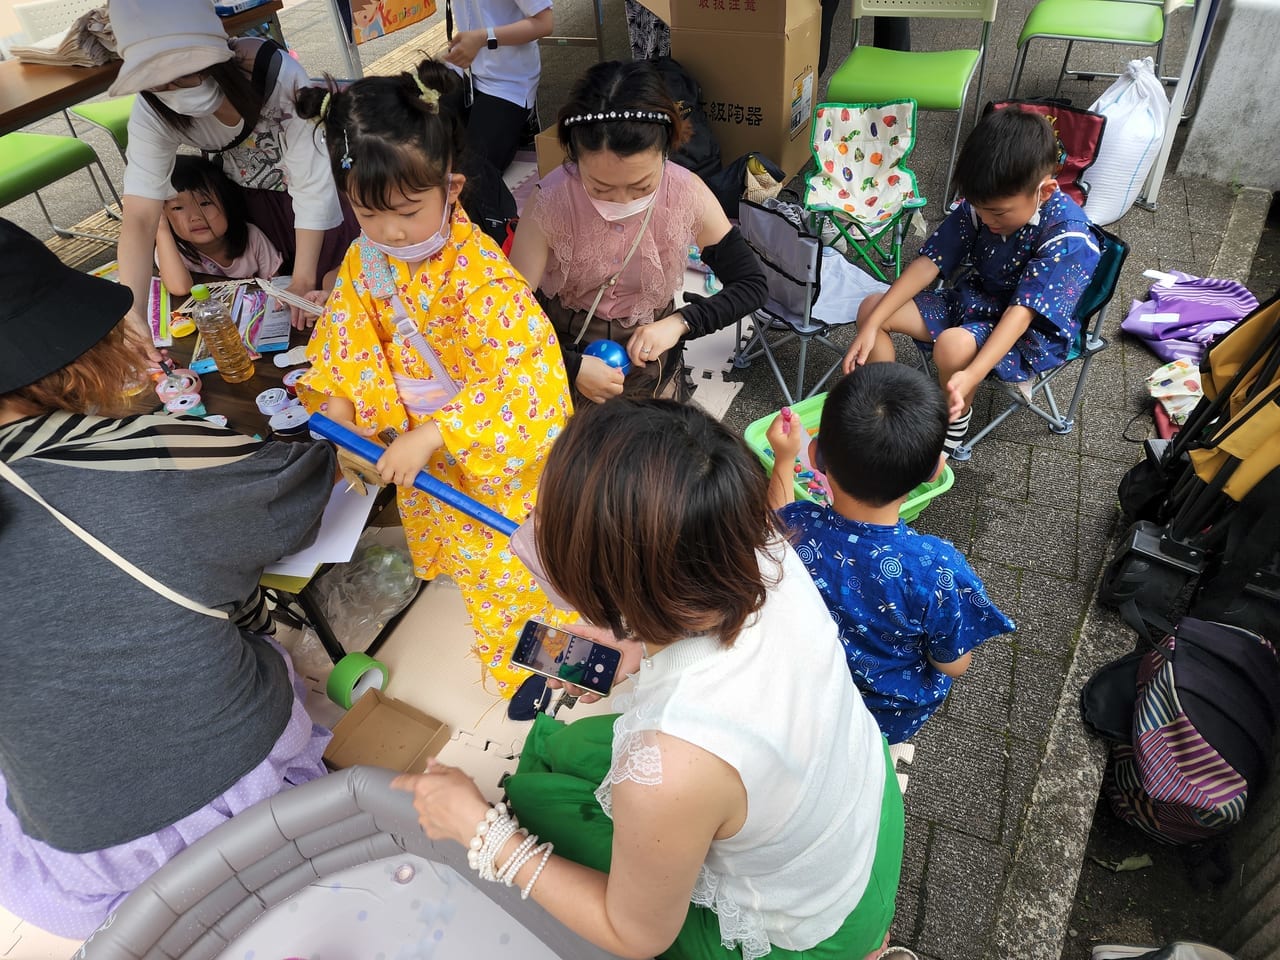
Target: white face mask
{"type": "Point", "coordinates": [612, 210]}
{"type": "Point", "coordinates": [197, 101]}
{"type": "Point", "coordinates": [423, 249]}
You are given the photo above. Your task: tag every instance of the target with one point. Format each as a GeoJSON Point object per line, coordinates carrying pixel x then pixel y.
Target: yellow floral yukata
{"type": "Point", "coordinates": [497, 345]}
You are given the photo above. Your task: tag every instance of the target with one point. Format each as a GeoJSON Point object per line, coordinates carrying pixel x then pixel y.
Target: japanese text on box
{"type": "Point", "coordinates": [725, 112]}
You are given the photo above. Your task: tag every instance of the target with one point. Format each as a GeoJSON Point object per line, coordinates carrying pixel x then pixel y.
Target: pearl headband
{"type": "Point", "coordinates": [647, 116]}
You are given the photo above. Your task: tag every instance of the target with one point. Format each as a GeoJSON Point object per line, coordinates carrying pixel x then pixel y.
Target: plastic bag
{"type": "Point", "coordinates": [1177, 387]}
{"type": "Point", "coordinates": [360, 596]}
{"type": "Point", "coordinates": [1137, 111]}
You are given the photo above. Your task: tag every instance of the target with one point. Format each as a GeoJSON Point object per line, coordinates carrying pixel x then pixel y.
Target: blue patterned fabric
{"type": "Point", "coordinates": [900, 598]}
{"type": "Point", "coordinates": [1045, 266]}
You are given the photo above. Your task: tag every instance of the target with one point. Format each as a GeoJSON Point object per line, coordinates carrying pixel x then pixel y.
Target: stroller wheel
{"type": "Point", "coordinates": [1152, 585]}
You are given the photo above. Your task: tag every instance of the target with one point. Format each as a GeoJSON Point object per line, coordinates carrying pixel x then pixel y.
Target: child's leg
{"type": "Point", "coordinates": [906, 319]}
{"type": "Point", "coordinates": [953, 351]}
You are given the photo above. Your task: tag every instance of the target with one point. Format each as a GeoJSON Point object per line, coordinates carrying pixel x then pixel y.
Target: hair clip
{"type": "Point", "coordinates": [647, 116]}
{"type": "Point", "coordinates": [427, 95]}
{"type": "Point", "coordinates": [345, 162]}
{"type": "Point", "coordinates": [324, 105]}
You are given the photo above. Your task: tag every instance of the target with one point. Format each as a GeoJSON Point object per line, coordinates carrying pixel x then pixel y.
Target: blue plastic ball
{"type": "Point", "coordinates": [611, 352]}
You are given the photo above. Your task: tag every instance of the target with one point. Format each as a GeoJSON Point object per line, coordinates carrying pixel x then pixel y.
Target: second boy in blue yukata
{"type": "Point", "coordinates": [909, 607]}
{"type": "Point", "coordinates": [1030, 252]}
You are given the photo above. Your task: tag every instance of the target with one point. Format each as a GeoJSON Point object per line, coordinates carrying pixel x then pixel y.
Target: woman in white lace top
{"type": "Point", "coordinates": [749, 808]}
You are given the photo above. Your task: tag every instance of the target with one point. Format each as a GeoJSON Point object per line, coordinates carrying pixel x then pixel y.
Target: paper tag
{"type": "Point", "coordinates": [1160, 277]}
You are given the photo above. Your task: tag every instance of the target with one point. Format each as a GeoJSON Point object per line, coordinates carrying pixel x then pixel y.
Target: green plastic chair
{"type": "Point", "coordinates": [935, 80]}
{"type": "Point", "coordinates": [1127, 22]}
{"type": "Point", "coordinates": [29, 162]}
{"type": "Point", "coordinates": [111, 116]}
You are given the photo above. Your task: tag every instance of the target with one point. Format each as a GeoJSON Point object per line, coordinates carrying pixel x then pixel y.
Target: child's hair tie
{"type": "Point", "coordinates": [428, 95]}
{"type": "Point", "coordinates": [345, 160]}
{"type": "Point", "coordinates": [324, 105]}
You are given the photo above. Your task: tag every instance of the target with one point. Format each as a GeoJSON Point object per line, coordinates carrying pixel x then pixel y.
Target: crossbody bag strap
{"type": "Point", "coordinates": [141, 576]}
{"type": "Point", "coordinates": [635, 245]}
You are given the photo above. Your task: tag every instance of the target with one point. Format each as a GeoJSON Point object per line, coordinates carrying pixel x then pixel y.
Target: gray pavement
{"type": "Point", "coordinates": [1004, 781]}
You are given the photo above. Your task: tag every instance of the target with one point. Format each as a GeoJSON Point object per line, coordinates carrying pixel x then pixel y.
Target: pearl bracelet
{"type": "Point", "coordinates": [491, 836]}
{"type": "Point", "coordinates": [546, 849]}
{"type": "Point", "coordinates": [522, 854]}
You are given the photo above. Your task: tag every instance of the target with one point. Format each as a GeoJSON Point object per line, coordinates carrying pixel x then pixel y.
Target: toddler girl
{"type": "Point", "coordinates": [206, 228]}
{"type": "Point", "coordinates": [430, 332]}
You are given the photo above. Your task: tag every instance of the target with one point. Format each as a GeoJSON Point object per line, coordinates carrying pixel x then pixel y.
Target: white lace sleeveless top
{"type": "Point", "coordinates": [779, 707]}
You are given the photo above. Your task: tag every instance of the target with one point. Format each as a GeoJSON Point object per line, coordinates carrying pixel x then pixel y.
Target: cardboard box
{"type": "Point", "coordinates": [379, 731]}
{"type": "Point", "coordinates": [736, 16]}
{"type": "Point", "coordinates": [550, 153]}
{"type": "Point", "coordinates": [659, 8]}
{"type": "Point", "coordinates": [769, 107]}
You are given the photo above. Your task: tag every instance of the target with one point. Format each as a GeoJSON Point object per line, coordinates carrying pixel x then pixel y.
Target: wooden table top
{"type": "Point", "coordinates": [29, 92]}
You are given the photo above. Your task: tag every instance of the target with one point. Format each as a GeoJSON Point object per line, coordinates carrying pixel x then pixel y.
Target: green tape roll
{"type": "Point", "coordinates": [353, 676]}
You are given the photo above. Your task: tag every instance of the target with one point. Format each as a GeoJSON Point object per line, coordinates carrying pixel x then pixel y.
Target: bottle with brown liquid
{"type": "Point", "coordinates": [221, 336]}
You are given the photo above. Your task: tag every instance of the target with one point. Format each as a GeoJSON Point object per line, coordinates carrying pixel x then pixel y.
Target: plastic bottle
{"type": "Point", "coordinates": [221, 336]}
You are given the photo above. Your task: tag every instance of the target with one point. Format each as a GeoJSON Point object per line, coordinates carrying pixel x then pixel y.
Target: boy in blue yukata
{"type": "Point", "coordinates": [909, 607]}
{"type": "Point", "coordinates": [1031, 253]}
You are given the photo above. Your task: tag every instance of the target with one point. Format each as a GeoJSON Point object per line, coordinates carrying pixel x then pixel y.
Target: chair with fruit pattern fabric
{"type": "Point", "coordinates": [862, 188]}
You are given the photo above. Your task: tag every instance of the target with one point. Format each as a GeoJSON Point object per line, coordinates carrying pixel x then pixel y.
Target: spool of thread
{"type": "Point", "coordinates": [181, 327]}
{"type": "Point", "coordinates": [291, 381]}
{"type": "Point", "coordinates": [186, 405]}
{"type": "Point", "coordinates": [270, 402]}
{"type": "Point", "coordinates": [217, 419]}
{"type": "Point", "coordinates": [177, 382]}
{"type": "Point", "coordinates": [291, 420]}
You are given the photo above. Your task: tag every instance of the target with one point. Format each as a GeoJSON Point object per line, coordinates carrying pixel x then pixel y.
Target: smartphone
{"type": "Point", "coordinates": [555, 652]}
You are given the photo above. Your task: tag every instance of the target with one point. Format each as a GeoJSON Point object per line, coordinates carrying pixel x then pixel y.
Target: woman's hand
{"type": "Point", "coordinates": [466, 45]}
{"type": "Point", "coordinates": [651, 340]}
{"type": "Point", "coordinates": [632, 656]}
{"type": "Point", "coordinates": [597, 381]}
{"type": "Point", "coordinates": [448, 802]}
{"type": "Point", "coordinates": [141, 334]}
{"type": "Point", "coordinates": [408, 454]}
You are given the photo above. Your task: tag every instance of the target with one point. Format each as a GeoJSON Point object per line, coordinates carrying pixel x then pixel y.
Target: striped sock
{"type": "Point", "coordinates": [957, 430]}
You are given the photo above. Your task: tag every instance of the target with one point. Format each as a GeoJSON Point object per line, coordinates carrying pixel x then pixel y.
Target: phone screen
{"type": "Point", "coordinates": [553, 652]}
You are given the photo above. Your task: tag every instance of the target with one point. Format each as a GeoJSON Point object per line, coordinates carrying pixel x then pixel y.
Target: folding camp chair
{"type": "Point", "coordinates": [862, 185]}
{"type": "Point", "coordinates": [1079, 134]}
{"type": "Point", "coordinates": [792, 257]}
{"type": "Point", "coordinates": [1092, 312]}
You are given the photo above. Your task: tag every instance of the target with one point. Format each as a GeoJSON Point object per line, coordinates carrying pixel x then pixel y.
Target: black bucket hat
{"type": "Point", "coordinates": [50, 313]}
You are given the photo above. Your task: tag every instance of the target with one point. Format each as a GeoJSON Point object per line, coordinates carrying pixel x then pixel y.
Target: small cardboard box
{"type": "Point", "coordinates": [769, 107]}
{"type": "Point", "coordinates": [379, 731]}
{"type": "Point", "coordinates": [550, 153]}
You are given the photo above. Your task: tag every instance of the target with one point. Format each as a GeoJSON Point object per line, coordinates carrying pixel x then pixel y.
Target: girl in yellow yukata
{"type": "Point", "coordinates": [430, 332]}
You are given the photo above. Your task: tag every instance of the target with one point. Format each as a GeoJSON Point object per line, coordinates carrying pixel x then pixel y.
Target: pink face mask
{"type": "Point", "coordinates": [525, 546]}
{"type": "Point", "coordinates": [423, 249]}
{"type": "Point", "coordinates": [611, 210]}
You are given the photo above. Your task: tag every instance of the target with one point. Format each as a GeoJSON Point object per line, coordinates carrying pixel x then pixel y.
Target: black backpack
{"type": "Point", "coordinates": [702, 153]}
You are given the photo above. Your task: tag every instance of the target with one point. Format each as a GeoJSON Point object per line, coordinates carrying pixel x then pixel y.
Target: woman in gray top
{"type": "Point", "coordinates": [135, 716]}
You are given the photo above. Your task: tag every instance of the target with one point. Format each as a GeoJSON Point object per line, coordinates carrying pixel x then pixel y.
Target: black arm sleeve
{"type": "Point", "coordinates": [572, 354]}
{"type": "Point", "coordinates": [745, 286]}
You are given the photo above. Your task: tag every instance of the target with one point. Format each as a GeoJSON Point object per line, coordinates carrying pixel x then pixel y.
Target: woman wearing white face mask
{"type": "Point", "coordinates": [606, 237]}
{"type": "Point", "coordinates": [231, 99]}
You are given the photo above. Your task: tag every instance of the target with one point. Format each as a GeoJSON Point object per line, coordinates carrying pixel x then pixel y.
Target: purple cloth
{"type": "Point", "coordinates": [271, 211]}
{"type": "Point", "coordinates": [1205, 308]}
{"type": "Point", "coordinates": [71, 894]}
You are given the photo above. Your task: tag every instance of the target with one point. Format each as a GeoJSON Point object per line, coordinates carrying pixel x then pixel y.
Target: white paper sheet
{"type": "Point", "coordinates": [344, 519]}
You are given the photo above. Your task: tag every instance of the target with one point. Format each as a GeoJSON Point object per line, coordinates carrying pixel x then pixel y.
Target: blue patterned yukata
{"type": "Point", "coordinates": [899, 598]}
{"type": "Point", "coordinates": [1044, 266]}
